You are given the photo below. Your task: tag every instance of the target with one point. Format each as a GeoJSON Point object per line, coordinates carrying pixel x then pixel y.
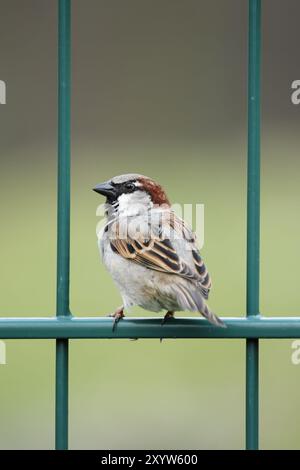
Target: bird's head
{"type": "Point", "coordinates": [131, 191]}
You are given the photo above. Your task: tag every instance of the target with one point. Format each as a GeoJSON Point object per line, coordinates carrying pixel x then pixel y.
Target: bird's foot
{"type": "Point", "coordinates": [167, 316]}
{"type": "Point", "coordinates": [117, 316]}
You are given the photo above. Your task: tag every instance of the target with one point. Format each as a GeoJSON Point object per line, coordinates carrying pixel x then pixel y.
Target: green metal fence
{"type": "Point", "coordinates": [64, 326]}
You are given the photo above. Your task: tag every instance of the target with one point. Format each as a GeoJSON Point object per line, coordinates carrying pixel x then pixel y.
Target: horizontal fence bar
{"type": "Point", "coordinates": [95, 327]}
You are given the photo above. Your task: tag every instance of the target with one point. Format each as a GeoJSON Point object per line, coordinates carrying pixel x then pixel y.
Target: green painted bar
{"type": "Point", "coordinates": [63, 206]}
{"type": "Point", "coordinates": [101, 327]}
{"type": "Point", "coordinates": [253, 222]}
{"type": "Point", "coordinates": [63, 218]}
{"type": "Point", "coordinates": [252, 394]}
{"type": "Point", "coordinates": [61, 394]}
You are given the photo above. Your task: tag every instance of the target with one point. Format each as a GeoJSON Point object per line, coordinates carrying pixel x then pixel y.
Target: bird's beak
{"type": "Point", "coordinates": [106, 189]}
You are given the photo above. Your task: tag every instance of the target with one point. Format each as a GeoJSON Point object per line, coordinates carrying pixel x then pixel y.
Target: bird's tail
{"type": "Point", "coordinates": [212, 317]}
{"type": "Point", "coordinates": [191, 299]}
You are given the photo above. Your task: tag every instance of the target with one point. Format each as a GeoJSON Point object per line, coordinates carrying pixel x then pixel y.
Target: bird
{"type": "Point", "coordinates": [150, 252]}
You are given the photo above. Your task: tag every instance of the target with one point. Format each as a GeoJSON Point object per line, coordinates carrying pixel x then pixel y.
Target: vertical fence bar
{"type": "Point", "coordinates": [253, 221]}
{"type": "Point", "coordinates": [63, 218]}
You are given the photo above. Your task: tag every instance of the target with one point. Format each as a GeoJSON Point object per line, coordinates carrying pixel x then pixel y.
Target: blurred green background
{"type": "Point", "coordinates": [159, 88]}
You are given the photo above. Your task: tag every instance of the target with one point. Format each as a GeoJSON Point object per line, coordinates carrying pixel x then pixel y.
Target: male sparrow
{"type": "Point", "coordinates": [150, 252]}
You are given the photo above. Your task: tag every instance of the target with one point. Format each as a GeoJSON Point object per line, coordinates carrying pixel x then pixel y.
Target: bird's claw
{"type": "Point", "coordinates": [167, 316]}
{"type": "Point", "coordinates": [117, 316]}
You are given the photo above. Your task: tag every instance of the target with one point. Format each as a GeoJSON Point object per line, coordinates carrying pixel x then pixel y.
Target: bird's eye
{"type": "Point", "coordinates": [129, 186]}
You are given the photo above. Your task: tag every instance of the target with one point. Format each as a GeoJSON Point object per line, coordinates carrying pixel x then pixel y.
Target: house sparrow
{"type": "Point", "coordinates": [150, 252]}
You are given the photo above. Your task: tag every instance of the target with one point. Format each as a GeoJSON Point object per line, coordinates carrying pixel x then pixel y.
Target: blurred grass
{"type": "Point", "coordinates": [143, 394]}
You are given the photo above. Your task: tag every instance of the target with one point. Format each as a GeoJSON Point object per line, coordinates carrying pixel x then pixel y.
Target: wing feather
{"type": "Point", "coordinates": [159, 253]}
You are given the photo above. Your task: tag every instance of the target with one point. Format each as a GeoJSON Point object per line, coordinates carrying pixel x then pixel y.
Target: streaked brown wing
{"type": "Point", "coordinates": [160, 255]}
{"type": "Point", "coordinates": [154, 254]}
{"type": "Point", "coordinates": [205, 281]}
